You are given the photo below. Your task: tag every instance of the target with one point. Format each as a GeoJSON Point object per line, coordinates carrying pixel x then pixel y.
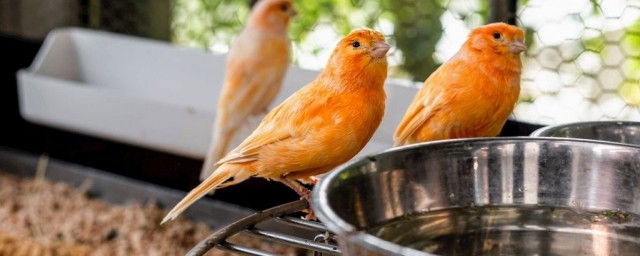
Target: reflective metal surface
{"type": "Point", "coordinates": [613, 131]}
{"type": "Point", "coordinates": [524, 196]}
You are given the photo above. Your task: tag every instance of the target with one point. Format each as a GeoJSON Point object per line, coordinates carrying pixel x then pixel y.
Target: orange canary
{"type": "Point", "coordinates": [319, 127]}
{"type": "Point", "coordinates": [256, 66]}
{"type": "Point", "coordinates": [470, 95]}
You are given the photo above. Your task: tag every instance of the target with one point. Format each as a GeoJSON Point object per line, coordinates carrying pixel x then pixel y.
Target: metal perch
{"type": "Point", "coordinates": [278, 213]}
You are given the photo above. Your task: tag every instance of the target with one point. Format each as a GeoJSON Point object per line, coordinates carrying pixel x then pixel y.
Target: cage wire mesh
{"type": "Point", "coordinates": [583, 61]}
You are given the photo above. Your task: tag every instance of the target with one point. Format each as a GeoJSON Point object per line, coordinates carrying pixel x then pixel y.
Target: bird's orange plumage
{"type": "Point", "coordinates": [256, 66]}
{"type": "Point", "coordinates": [470, 95]}
{"type": "Point", "coordinates": [317, 128]}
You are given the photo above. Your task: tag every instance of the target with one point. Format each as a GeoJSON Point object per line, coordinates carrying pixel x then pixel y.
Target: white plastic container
{"type": "Point", "coordinates": [148, 93]}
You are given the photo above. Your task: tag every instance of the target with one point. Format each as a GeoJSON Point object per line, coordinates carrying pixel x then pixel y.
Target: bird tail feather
{"type": "Point", "coordinates": [222, 174]}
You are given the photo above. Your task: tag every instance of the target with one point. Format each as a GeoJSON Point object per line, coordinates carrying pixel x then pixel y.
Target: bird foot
{"type": "Point", "coordinates": [303, 192]}
{"type": "Point", "coordinates": [297, 187]}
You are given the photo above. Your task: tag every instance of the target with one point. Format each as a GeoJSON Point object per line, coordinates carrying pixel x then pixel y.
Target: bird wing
{"type": "Point", "coordinates": [277, 125]}
{"type": "Point", "coordinates": [428, 100]}
{"type": "Point", "coordinates": [248, 151]}
{"type": "Point", "coordinates": [300, 134]}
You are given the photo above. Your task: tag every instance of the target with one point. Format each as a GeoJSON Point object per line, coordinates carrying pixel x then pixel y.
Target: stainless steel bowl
{"type": "Point", "coordinates": [498, 196]}
{"type": "Point", "coordinates": [613, 131]}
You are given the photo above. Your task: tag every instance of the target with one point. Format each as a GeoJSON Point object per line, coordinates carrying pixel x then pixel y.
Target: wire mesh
{"type": "Point", "coordinates": [583, 63]}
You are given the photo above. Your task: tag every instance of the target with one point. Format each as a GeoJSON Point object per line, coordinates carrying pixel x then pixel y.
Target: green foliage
{"type": "Point", "coordinates": [199, 23]}
{"type": "Point", "coordinates": [342, 15]}
{"type": "Point", "coordinates": [416, 33]}
{"type": "Point", "coordinates": [417, 25]}
{"type": "Point", "coordinates": [630, 90]}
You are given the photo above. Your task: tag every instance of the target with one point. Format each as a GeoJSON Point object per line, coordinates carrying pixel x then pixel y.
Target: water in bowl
{"type": "Point", "coordinates": [521, 230]}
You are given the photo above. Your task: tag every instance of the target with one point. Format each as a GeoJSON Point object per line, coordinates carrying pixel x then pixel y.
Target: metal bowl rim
{"type": "Point", "coordinates": [347, 231]}
{"type": "Point", "coordinates": [541, 131]}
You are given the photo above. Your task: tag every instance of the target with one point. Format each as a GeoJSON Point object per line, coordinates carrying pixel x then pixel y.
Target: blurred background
{"type": "Point", "coordinates": [582, 62]}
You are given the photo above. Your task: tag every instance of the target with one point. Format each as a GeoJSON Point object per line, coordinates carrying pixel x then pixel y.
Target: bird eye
{"type": "Point", "coordinates": [497, 35]}
{"type": "Point", "coordinates": [284, 7]}
{"type": "Point", "coordinates": [355, 44]}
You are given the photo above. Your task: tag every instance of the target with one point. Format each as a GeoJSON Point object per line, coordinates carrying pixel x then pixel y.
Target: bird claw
{"type": "Point", "coordinates": [312, 180]}
{"type": "Point", "coordinates": [306, 195]}
{"type": "Point", "coordinates": [310, 214]}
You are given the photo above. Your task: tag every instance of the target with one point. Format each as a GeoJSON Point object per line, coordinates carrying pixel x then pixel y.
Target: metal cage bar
{"type": "Point", "coordinates": [279, 214]}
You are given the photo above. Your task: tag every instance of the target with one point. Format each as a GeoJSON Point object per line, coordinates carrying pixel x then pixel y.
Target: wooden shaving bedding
{"type": "Point", "coordinates": [39, 217]}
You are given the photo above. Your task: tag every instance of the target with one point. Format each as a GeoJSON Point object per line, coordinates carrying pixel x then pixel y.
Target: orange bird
{"type": "Point", "coordinates": [320, 126]}
{"type": "Point", "coordinates": [470, 95]}
{"type": "Point", "coordinates": [256, 66]}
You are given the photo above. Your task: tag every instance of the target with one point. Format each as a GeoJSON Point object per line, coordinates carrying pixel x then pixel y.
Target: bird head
{"type": "Point", "coordinates": [361, 50]}
{"type": "Point", "coordinates": [272, 14]}
{"type": "Point", "coordinates": [499, 38]}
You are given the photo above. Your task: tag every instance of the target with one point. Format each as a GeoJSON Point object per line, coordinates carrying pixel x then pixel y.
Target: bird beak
{"type": "Point", "coordinates": [517, 46]}
{"type": "Point", "coordinates": [292, 12]}
{"type": "Point", "coordinates": [380, 49]}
